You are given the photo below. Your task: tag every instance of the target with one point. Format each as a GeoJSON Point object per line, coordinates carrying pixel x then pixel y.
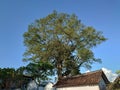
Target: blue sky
{"type": "Point", "coordinates": [16, 15]}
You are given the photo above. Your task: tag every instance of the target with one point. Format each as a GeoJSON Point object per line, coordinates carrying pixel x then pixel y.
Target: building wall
{"type": "Point", "coordinates": [49, 86]}
{"type": "Point", "coordinates": [102, 85]}
{"type": "Point", "coordinates": [32, 85]}
{"type": "Point", "coordinates": [40, 88]}
{"type": "Point", "coordinates": [94, 87]}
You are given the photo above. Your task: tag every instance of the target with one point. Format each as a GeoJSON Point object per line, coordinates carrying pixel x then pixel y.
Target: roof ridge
{"type": "Point", "coordinates": [94, 71]}
{"type": "Point", "coordinates": [91, 72]}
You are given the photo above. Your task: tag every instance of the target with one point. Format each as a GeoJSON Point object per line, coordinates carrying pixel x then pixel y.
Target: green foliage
{"type": "Point", "coordinates": [118, 71]}
{"type": "Point", "coordinates": [6, 77]}
{"type": "Point", "coordinates": [11, 78]}
{"type": "Point", "coordinates": [114, 85]}
{"type": "Point", "coordinates": [39, 70]}
{"type": "Point", "coordinates": [63, 41]}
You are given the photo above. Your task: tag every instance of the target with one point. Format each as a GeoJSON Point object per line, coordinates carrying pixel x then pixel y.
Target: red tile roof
{"type": "Point", "coordinates": [90, 78]}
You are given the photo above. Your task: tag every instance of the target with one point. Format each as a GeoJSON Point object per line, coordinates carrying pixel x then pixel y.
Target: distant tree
{"type": "Point", "coordinates": [62, 40]}
{"type": "Point", "coordinates": [11, 78]}
{"type": "Point", "coordinates": [118, 72]}
{"type": "Point", "coordinates": [7, 78]}
{"type": "Point", "coordinates": [39, 71]}
{"type": "Point", "coordinates": [21, 79]}
{"type": "Point", "coordinates": [116, 84]}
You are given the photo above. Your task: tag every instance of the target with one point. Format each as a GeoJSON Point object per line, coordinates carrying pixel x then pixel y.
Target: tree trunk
{"type": "Point", "coordinates": [59, 71]}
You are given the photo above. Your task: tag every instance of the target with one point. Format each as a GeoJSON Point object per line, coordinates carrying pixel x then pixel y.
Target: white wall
{"type": "Point", "coordinates": [40, 88]}
{"type": "Point", "coordinates": [32, 85]}
{"type": "Point", "coordinates": [95, 87]}
{"type": "Point", "coordinates": [102, 85]}
{"type": "Point", "coordinates": [49, 86]}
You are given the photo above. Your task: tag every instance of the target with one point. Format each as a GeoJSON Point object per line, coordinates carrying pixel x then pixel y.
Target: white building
{"type": "Point", "coordinates": [49, 86]}
{"type": "Point", "coordinates": [43, 86]}
{"type": "Point", "coordinates": [90, 81]}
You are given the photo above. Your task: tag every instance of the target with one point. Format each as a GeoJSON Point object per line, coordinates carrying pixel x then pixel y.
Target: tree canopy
{"type": "Point", "coordinates": [62, 41]}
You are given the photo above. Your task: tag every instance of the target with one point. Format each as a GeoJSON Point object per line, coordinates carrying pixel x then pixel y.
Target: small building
{"type": "Point", "coordinates": [49, 86]}
{"type": "Point", "coordinates": [95, 80]}
{"type": "Point", "coordinates": [42, 86]}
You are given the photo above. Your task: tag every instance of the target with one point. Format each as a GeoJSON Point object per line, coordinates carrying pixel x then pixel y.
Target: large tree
{"type": "Point", "coordinates": [63, 41]}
